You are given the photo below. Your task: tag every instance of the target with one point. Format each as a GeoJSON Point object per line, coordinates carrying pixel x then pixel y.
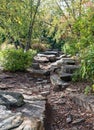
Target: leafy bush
{"type": "Point", "coordinates": [87, 63]}
{"type": "Point", "coordinates": [86, 70]}
{"type": "Point", "coordinates": [16, 60]}
{"type": "Point", "coordinates": [69, 48]}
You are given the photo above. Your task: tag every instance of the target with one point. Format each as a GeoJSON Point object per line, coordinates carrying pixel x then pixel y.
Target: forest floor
{"type": "Point", "coordinates": [56, 113]}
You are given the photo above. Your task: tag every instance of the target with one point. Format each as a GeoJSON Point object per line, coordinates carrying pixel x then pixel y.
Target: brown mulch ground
{"type": "Point", "coordinates": [56, 114]}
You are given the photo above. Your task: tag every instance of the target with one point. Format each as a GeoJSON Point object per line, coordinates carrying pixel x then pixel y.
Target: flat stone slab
{"type": "Point", "coordinates": [35, 66]}
{"type": "Point", "coordinates": [30, 116]}
{"type": "Point", "coordinates": [33, 111]}
{"type": "Point", "coordinates": [11, 122]}
{"type": "Point", "coordinates": [39, 73]}
{"type": "Point", "coordinates": [51, 58]}
{"type": "Point", "coordinates": [11, 99]}
{"type": "Point", "coordinates": [58, 83]}
{"type": "Point", "coordinates": [33, 124]}
{"type": "Point", "coordinates": [8, 119]}
{"type": "Point", "coordinates": [58, 63]}
{"type": "Point", "coordinates": [84, 101]}
{"type": "Point", "coordinates": [40, 59]}
{"type": "Point", "coordinates": [66, 77]}
{"type": "Point", "coordinates": [68, 61]}
{"type": "Point", "coordinates": [69, 68]}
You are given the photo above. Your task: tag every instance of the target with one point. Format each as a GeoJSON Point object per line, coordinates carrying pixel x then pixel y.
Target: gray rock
{"type": "Point", "coordinates": [11, 99]}
{"type": "Point", "coordinates": [66, 77]}
{"type": "Point", "coordinates": [33, 110]}
{"type": "Point", "coordinates": [4, 76]}
{"type": "Point", "coordinates": [39, 79]}
{"type": "Point", "coordinates": [68, 61]}
{"type": "Point", "coordinates": [42, 82]}
{"type": "Point", "coordinates": [69, 68]}
{"type": "Point", "coordinates": [58, 63]}
{"type": "Point", "coordinates": [11, 122]}
{"type": "Point", "coordinates": [4, 113]}
{"type": "Point", "coordinates": [35, 66]}
{"type": "Point", "coordinates": [2, 108]}
{"type": "Point", "coordinates": [58, 83]}
{"type": "Point", "coordinates": [45, 93]}
{"type": "Point", "coordinates": [40, 59]}
{"type": "Point", "coordinates": [51, 57]}
{"type": "Point", "coordinates": [39, 73]}
{"type": "Point", "coordinates": [47, 86]}
{"type": "Point", "coordinates": [78, 121]}
{"type": "Point", "coordinates": [69, 118]}
{"type": "Point", "coordinates": [33, 124]}
{"type": "Point", "coordinates": [61, 56]}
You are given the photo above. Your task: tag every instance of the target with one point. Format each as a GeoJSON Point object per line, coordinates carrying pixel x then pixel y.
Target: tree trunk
{"type": "Point", "coordinates": [30, 32]}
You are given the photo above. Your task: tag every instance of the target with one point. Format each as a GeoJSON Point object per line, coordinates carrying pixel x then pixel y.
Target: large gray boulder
{"type": "Point", "coordinates": [69, 68]}
{"type": "Point", "coordinates": [58, 83]}
{"type": "Point", "coordinates": [11, 122]}
{"type": "Point", "coordinates": [11, 99]}
{"type": "Point", "coordinates": [30, 116]}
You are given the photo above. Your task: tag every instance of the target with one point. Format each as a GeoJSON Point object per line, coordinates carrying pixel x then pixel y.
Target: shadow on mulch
{"type": "Point", "coordinates": [48, 117]}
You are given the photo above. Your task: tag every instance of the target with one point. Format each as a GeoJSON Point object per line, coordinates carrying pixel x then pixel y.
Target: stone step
{"type": "Point", "coordinates": [51, 57]}
{"type": "Point", "coordinates": [39, 73]}
{"type": "Point", "coordinates": [11, 99]}
{"type": "Point", "coordinates": [66, 77]}
{"type": "Point", "coordinates": [61, 56]}
{"type": "Point", "coordinates": [58, 83]}
{"type": "Point", "coordinates": [63, 61]}
{"type": "Point", "coordinates": [35, 66]}
{"type": "Point", "coordinates": [68, 61]}
{"type": "Point", "coordinates": [50, 53]}
{"type": "Point", "coordinates": [84, 101]}
{"type": "Point", "coordinates": [40, 59]}
{"type": "Point", "coordinates": [69, 68]}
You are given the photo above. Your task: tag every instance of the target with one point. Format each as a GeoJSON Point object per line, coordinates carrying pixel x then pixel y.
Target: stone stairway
{"type": "Point", "coordinates": [56, 65]}
{"type": "Point", "coordinates": [62, 74]}
{"type": "Point", "coordinates": [26, 111]}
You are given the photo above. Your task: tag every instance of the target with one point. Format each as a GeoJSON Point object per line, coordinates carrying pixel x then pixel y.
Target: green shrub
{"type": "Point", "coordinates": [16, 60]}
{"type": "Point", "coordinates": [87, 63]}
{"type": "Point", "coordinates": [86, 70]}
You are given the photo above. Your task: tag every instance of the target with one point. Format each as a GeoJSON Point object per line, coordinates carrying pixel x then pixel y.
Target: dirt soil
{"type": "Point", "coordinates": [59, 105]}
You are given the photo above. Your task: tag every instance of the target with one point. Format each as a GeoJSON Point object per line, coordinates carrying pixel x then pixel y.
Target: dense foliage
{"type": "Point", "coordinates": [63, 24]}
{"type": "Point", "coordinates": [16, 60]}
